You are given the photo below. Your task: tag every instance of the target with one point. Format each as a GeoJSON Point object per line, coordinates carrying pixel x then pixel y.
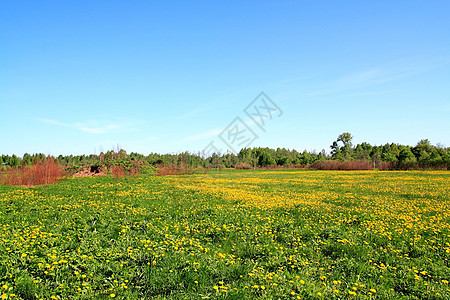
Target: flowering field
{"type": "Point", "coordinates": [229, 234]}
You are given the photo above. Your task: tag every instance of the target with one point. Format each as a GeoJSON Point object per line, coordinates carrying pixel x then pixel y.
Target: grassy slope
{"type": "Point", "coordinates": [231, 234]}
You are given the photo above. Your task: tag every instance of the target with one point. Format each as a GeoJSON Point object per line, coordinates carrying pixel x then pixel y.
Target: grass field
{"type": "Point", "coordinates": [229, 234]}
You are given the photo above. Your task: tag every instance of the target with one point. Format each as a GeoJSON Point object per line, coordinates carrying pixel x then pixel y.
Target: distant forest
{"type": "Point", "coordinates": [344, 155]}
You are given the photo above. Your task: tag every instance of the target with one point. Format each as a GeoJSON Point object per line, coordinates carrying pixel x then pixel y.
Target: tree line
{"type": "Point", "coordinates": [421, 156]}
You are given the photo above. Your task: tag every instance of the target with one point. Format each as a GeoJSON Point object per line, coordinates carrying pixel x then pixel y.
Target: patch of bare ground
{"type": "Point", "coordinates": [90, 171]}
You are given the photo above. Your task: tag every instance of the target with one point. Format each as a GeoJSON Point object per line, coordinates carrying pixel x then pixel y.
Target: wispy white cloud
{"type": "Point", "coordinates": [98, 130]}
{"type": "Point", "coordinates": [376, 76]}
{"type": "Point", "coordinates": [203, 136]}
{"type": "Point", "coordinates": [190, 114]}
{"type": "Point", "coordinates": [371, 93]}
{"type": "Point", "coordinates": [373, 77]}
{"type": "Point", "coordinates": [94, 127]}
{"type": "Point", "coordinates": [389, 72]}
{"type": "Point", "coordinates": [215, 132]}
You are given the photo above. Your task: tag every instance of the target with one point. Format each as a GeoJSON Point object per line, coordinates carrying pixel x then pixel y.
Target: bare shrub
{"type": "Point", "coordinates": [117, 171]}
{"type": "Point", "coordinates": [45, 172]}
{"type": "Point", "coordinates": [243, 166]}
{"type": "Point", "coordinates": [359, 164]}
{"type": "Point", "coordinates": [164, 170]}
{"type": "Point", "coordinates": [385, 166]}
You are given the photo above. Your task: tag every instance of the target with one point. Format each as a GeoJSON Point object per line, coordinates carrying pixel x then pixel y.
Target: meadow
{"type": "Point", "coordinates": [232, 234]}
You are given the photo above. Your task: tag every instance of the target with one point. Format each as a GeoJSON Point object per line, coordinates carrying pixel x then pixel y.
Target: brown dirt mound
{"type": "Point", "coordinates": [90, 171]}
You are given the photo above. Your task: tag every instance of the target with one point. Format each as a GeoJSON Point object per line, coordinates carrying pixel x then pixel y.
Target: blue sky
{"type": "Point", "coordinates": [84, 76]}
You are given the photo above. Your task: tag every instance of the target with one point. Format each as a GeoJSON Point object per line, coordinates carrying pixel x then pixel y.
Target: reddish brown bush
{"type": "Point", "coordinates": [164, 170]}
{"type": "Point", "coordinates": [246, 166]}
{"type": "Point", "coordinates": [325, 165]}
{"type": "Point", "coordinates": [117, 171]}
{"type": "Point", "coordinates": [298, 166]}
{"type": "Point", "coordinates": [357, 165]}
{"type": "Point", "coordinates": [135, 171]}
{"type": "Point", "coordinates": [45, 172]}
{"type": "Point", "coordinates": [342, 165]}
{"type": "Point", "coordinates": [385, 166]}
{"type": "Point", "coordinates": [243, 166]}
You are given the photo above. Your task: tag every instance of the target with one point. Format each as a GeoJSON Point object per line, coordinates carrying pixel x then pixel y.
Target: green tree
{"type": "Point", "coordinates": [424, 159]}
{"type": "Point", "coordinates": [27, 160]}
{"type": "Point", "coordinates": [390, 153]}
{"type": "Point", "coordinates": [265, 159]}
{"type": "Point", "coordinates": [346, 140]}
{"type": "Point", "coordinates": [335, 149]}
{"type": "Point", "coordinates": [245, 156]}
{"type": "Point", "coordinates": [14, 161]}
{"type": "Point", "coordinates": [375, 155]}
{"type": "Point", "coordinates": [284, 161]}
{"type": "Point", "coordinates": [435, 159]}
{"type": "Point", "coordinates": [406, 158]}
{"type": "Point", "coordinates": [305, 158]}
{"type": "Point", "coordinates": [422, 146]}
{"type": "Point", "coordinates": [389, 157]}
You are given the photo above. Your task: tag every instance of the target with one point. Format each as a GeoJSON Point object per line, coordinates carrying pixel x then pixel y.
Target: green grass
{"type": "Point", "coordinates": [229, 234]}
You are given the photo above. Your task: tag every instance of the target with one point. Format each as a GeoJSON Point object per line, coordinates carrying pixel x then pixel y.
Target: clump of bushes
{"type": "Point", "coordinates": [45, 172]}
{"type": "Point", "coordinates": [178, 169]}
{"type": "Point", "coordinates": [360, 164]}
